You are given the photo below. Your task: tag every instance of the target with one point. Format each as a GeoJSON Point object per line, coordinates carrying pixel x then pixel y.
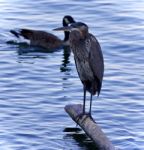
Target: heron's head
{"type": "Point", "coordinates": [80, 27]}
{"type": "Point", "coordinates": [67, 20]}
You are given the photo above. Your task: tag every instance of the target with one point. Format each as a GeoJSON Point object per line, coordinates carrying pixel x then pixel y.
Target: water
{"type": "Point", "coordinates": [35, 86]}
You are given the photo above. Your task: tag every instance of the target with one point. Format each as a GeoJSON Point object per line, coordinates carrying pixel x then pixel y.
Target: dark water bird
{"type": "Point", "coordinates": [88, 59]}
{"type": "Point", "coordinates": [45, 39]}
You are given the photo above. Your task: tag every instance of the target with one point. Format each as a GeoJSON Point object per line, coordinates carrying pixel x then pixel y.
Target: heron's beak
{"type": "Point", "coordinates": [63, 29]}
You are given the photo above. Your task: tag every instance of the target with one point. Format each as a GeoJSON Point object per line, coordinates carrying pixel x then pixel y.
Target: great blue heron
{"type": "Point", "coordinates": [45, 39]}
{"type": "Point", "coordinates": [88, 59]}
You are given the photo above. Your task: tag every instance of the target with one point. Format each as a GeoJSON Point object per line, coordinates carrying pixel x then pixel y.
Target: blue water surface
{"type": "Point", "coordinates": [35, 85]}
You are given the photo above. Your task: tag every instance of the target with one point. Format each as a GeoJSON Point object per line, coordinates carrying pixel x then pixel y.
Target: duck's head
{"type": "Point", "coordinates": [67, 20]}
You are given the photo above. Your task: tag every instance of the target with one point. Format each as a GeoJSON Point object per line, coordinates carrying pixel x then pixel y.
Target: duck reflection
{"type": "Point", "coordinates": [24, 49]}
{"type": "Point", "coordinates": [65, 60]}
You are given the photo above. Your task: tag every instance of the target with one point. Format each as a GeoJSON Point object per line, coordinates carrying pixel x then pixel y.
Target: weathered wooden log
{"type": "Point", "coordinates": [89, 126]}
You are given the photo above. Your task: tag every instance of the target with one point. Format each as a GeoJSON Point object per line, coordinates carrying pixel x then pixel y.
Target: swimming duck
{"type": "Point", "coordinates": [45, 39]}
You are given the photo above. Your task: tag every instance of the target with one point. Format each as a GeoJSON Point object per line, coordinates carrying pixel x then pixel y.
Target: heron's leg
{"type": "Point", "coordinates": [89, 113]}
{"type": "Point", "coordinates": [90, 104]}
{"type": "Point", "coordinates": [84, 99]}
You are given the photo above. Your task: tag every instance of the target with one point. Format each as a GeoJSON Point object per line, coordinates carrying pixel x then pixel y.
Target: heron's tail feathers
{"type": "Point", "coordinates": [97, 86]}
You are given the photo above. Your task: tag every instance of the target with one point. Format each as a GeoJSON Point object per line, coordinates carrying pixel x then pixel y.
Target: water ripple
{"type": "Point", "coordinates": [36, 85]}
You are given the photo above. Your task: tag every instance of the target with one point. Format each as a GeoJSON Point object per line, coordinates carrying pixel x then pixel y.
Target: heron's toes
{"type": "Point", "coordinates": [85, 115]}
{"type": "Point", "coordinates": [90, 116]}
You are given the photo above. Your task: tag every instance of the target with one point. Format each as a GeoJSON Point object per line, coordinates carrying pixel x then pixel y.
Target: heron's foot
{"type": "Point", "coordinates": [90, 116]}
{"type": "Point", "coordinates": [83, 114]}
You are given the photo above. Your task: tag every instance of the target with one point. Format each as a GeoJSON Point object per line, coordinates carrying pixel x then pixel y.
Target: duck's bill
{"type": "Point", "coordinates": [63, 29]}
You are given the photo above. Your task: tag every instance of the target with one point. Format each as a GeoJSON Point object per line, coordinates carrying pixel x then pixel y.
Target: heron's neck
{"type": "Point", "coordinates": [84, 34]}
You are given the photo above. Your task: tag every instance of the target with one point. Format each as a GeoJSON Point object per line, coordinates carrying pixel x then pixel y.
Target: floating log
{"type": "Point", "coordinates": [89, 126]}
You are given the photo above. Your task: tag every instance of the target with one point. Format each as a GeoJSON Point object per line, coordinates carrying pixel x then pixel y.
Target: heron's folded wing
{"type": "Point", "coordinates": [96, 58]}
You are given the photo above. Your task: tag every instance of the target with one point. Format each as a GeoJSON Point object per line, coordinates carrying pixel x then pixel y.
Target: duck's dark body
{"type": "Point", "coordinates": [40, 38]}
